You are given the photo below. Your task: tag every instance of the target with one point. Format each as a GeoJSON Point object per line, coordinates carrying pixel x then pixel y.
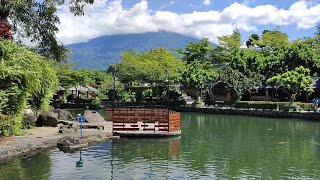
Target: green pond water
{"type": "Point", "coordinates": [210, 147]}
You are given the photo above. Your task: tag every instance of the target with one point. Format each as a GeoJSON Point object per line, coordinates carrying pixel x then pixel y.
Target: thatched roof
{"type": "Point", "coordinates": [59, 88]}
{"type": "Point", "coordinates": [84, 89]}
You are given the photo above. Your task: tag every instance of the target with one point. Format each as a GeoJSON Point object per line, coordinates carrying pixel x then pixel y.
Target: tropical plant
{"type": "Point", "coordinates": [24, 74]}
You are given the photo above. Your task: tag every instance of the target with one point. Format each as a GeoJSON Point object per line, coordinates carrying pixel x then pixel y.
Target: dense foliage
{"type": "Point", "coordinates": [270, 57]}
{"type": "Point", "coordinates": [296, 81]}
{"type": "Point", "coordinates": [154, 66]}
{"type": "Point", "coordinates": [24, 76]}
{"type": "Point", "coordinates": [240, 81]}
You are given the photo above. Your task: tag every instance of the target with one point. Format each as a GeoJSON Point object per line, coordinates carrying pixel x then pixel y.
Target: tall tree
{"type": "Point", "coordinates": [199, 75]}
{"type": "Point", "coordinates": [252, 41]}
{"type": "Point", "coordinates": [196, 51]}
{"type": "Point", "coordinates": [152, 66]}
{"type": "Point", "coordinates": [271, 39]}
{"type": "Point", "coordinates": [240, 82]}
{"type": "Point", "coordinates": [37, 20]}
{"type": "Point", "coordinates": [248, 61]}
{"type": "Point", "coordinates": [291, 56]}
{"type": "Point", "coordinates": [231, 42]}
{"type": "Point", "coordinates": [314, 42]}
{"type": "Point", "coordinates": [297, 81]}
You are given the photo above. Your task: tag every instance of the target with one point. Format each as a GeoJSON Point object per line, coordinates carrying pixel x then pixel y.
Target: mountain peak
{"type": "Point", "coordinates": [99, 53]}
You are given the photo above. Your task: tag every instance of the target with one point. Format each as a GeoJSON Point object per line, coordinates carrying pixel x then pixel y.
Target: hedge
{"type": "Point", "coordinates": [284, 106]}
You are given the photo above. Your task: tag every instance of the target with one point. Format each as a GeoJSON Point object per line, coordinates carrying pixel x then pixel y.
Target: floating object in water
{"type": "Point", "coordinates": [145, 122]}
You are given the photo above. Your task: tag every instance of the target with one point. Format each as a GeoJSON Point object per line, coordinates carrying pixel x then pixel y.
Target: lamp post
{"type": "Point", "coordinates": [168, 81]}
{"type": "Point", "coordinates": [114, 92]}
{"type": "Point", "coordinates": [114, 86]}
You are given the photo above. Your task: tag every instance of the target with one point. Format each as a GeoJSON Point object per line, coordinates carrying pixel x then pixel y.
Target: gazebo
{"type": "Point", "coordinates": [84, 89]}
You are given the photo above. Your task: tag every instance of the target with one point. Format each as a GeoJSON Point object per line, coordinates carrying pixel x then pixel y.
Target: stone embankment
{"type": "Point", "coordinates": [40, 138]}
{"type": "Point", "coordinates": [310, 116]}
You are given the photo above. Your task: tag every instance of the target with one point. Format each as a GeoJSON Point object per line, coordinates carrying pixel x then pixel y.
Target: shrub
{"type": "Point", "coordinates": [282, 106]}
{"type": "Point", "coordinates": [25, 76]}
{"type": "Point", "coordinates": [6, 125]}
{"type": "Point", "coordinates": [96, 102]}
{"type": "Point", "coordinates": [256, 105]}
{"type": "Point", "coordinates": [306, 106]}
{"type": "Point", "coordinates": [10, 125]}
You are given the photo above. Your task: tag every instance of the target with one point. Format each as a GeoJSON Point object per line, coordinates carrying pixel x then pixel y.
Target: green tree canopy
{"type": "Point", "coordinates": [153, 66]}
{"type": "Point", "coordinates": [297, 80]}
{"type": "Point", "coordinates": [240, 82]}
{"type": "Point", "coordinates": [199, 75]}
{"type": "Point", "coordinates": [290, 57]}
{"type": "Point", "coordinates": [272, 39]}
{"type": "Point", "coordinates": [38, 21]}
{"type": "Point", "coordinates": [314, 42]}
{"type": "Point", "coordinates": [232, 41]}
{"type": "Point", "coordinates": [252, 41]}
{"type": "Point", "coordinates": [248, 61]}
{"type": "Point", "coordinates": [196, 51]}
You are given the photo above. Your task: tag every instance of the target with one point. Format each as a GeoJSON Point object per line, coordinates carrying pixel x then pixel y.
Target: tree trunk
{"type": "Point", "coordinates": [239, 96]}
{"type": "Point", "coordinates": [292, 98]}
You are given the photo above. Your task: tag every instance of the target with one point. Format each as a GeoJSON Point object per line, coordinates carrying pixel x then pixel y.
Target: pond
{"type": "Point", "coordinates": [210, 147]}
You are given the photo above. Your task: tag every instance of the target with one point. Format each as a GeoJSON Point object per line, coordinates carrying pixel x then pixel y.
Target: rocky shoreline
{"type": "Point", "coordinates": [38, 139]}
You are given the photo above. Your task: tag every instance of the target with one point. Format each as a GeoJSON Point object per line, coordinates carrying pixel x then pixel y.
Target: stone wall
{"type": "Point", "coordinates": [311, 116]}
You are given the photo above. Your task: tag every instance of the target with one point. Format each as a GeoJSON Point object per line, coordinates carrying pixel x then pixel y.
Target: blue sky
{"type": "Point", "coordinates": [196, 18]}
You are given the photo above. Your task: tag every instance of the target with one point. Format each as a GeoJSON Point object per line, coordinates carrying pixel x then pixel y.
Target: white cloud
{"type": "Point", "coordinates": [206, 2]}
{"type": "Point", "coordinates": [108, 18]}
{"type": "Point", "coordinates": [167, 5]}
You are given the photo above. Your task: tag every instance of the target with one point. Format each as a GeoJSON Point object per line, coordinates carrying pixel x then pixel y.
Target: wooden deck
{"type": "Point", "coordinates": [136, 121]}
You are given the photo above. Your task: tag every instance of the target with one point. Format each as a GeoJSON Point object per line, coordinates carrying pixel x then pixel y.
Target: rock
{"type": "Point", "coordinates": [68, 123]}
{"type": "Point", "coordinates": [67, 143]}
{"type": "Point", "coordinates": [47, 119]}
{"type": "Point", "coordinates": [28, 112]}
{"type": "Point", "coordinates": [29, 119]}
{"type": "Point", "coordinates": [63, 114]}
{"type": "Point", "coordinates": [67, 129]}
{"type": "Point", "coordinates": [93, 117]}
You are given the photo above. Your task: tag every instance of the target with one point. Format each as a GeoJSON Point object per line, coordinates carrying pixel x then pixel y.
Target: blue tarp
{"type": "Point", "coordinates": [315, 100]}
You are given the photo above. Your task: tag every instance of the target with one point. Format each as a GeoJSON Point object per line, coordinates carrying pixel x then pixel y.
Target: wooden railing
{"type": "Point", "coordinates": [143, 119]}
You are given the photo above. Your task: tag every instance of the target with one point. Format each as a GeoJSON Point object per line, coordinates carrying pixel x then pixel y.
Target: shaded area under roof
{"type": "Point", "coordinates": [84, 89]}
{"type": "Point", "coordinates": [315, 83]}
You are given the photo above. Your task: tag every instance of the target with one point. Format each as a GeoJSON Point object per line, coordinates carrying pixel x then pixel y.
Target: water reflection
{"type": "Point", "coordinates": [210, 147]}
{"type": "Point", "coordinates": [144, 158]}
{"type": "Point", "coordinates": [34, 167]}
{"type": "Point", "coordinates": [245, 147]}
{"type": "Point", "coordinates": [80, 162]}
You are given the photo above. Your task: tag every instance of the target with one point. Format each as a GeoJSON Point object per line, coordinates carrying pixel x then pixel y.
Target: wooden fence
{"type": "Point", "coordinates": [143, 119]}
